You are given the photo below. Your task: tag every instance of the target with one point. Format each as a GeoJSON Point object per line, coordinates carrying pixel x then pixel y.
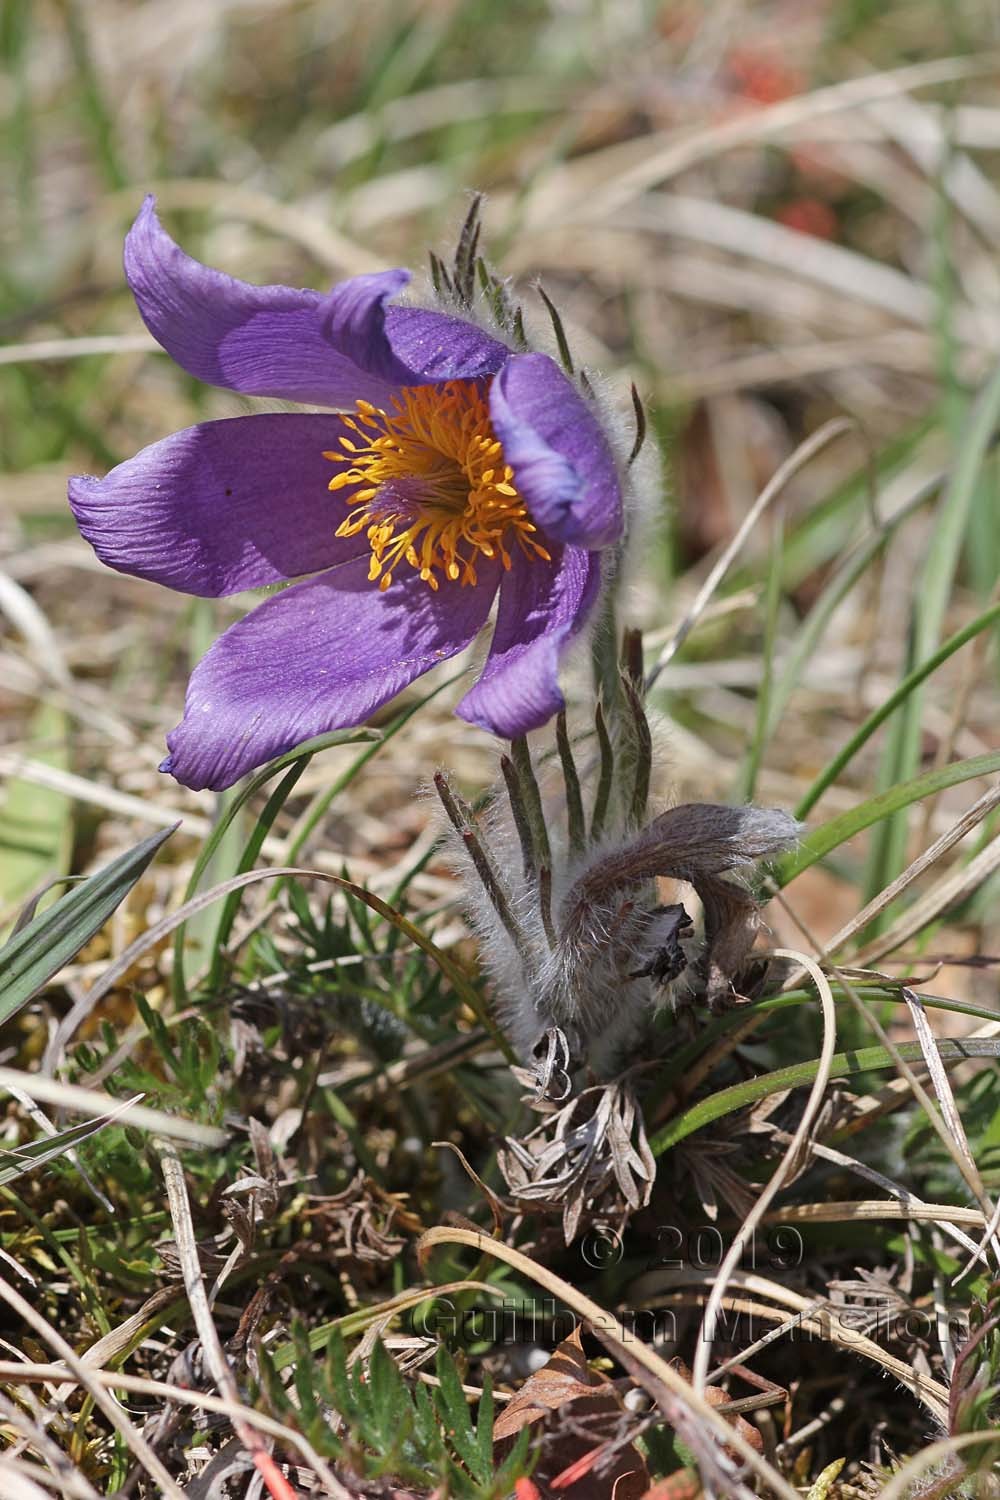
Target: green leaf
{"type": "Point", "coordinates": [298, 759]}
{"type": "Point", "coordinates": [844, 1065]}
{"type": "Point", "coordinates": [484, 1433]}
{"type": "Point", "coordinates": [514, 1465]}
{"type": "Point", "coordinates": [426, 1431]}
{"type": "Point", "coordinates": [338, 1376]}
{"type": "Point", "coordinates": [159, 1034]}
{"type": "Point", "coordinates": [304, 1373]}
{"type": "Point", "coordinates": [390, 1402]}
{"type": "Point", "coordinates": [454, 1412]}
{"type": "Point", "coordinates": [48, 942]}
{"type": "Point", "coordinates": [837, 831]}
{"type": "Point", "coordinates": [47, 1148]}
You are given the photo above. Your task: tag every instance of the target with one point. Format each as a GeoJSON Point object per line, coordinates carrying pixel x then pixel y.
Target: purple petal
{"type": "Point", "coordinates": [436, 346]}
{"type": "Point", "coordinates": [354, 323]}
{"type": "Point", "coordinates": [321, 655]}
{"type": "Point", "coordinates": [262, 340]}
{"type": "Point", "coordinates": [561, 460]}
{"type": "Point", "coordinates": [221, 507]}
{"type": "Point", "coordinates": [542, 607]}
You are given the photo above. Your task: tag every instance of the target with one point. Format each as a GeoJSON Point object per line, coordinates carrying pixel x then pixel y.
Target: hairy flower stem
{"type": "Point", "coordinates": [545, 904]}
{"type": "Point", "coordinates": [534, 816]}
{"type": "Point", "coordinates": [461, 818]}
{"type": "Point", "coordinates": [574, 798]}
{"type": "Point", "coordinates": [602, 797]}
{"type": "Point", "coordinates": [521, 756]}
{"type": "Point", "coordinates": [604, 652]}
{"type": "Point", "coordinates": [519, 812]}
{"type": "Point", "coordinates": [491, 884]}
{"type": "Point", "coordinates": [642, 751]}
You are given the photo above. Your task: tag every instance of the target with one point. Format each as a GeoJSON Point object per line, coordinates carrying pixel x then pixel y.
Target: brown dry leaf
{"type": "Point", "coordinates": [584, 1416]}
{"type": "Point", "coordinates": [715, 1397]}
{"type": "Point", "coordinates": [564, 1377]}
{"type": "Point", "coordinates": [682, 1484]}
{"type": "Point", "coordinates": [746, 1429]}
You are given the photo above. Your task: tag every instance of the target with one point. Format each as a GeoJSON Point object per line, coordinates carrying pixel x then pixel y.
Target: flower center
{"type": "Point", "coordinates": [435, 491]}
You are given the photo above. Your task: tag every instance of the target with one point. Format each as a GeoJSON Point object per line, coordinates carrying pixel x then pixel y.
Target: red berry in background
{"type": "Point", "coordinates": [761, 78]}
{"type": "Point", "coordinates": [809, 216]}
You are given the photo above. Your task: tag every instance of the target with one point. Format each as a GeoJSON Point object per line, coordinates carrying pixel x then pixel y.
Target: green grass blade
{"type": "Point", "coordinates": [48, 942]}
{"type": "Point", "coordinates": [772, 606]}
{"type": "Point", "coordinates": [301, 755]}
{"type": "Point", "coordinates": [680, 1062]}
{"type": "Point", "coordinates": [248, 859]}
{"type": "Point", "coordinates": [822, 533]}
{"type": "Point", "coordinates": [837, 831]}
{"type": "Point", "coordinates": [15, 42]}
{"type": "Point", "coordinates": [14, 1164]}
{"type": "Point", "coordinates": [902, 756]}
{"type": "Point", "coordinates": [99, 120]}
{"type": "Point", "coordinates": [36, 822]}
{"type": "Point", "coordinates": [847, 575]}
{"type": "Point", "coordinates": [845, 1065]}
{"type": "Point", "coordinates": [322, 803]}
{"type": "Point", "coordinates": [913, 679]}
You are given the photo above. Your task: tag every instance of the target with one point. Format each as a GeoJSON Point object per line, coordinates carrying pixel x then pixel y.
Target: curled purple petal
{"type": "Point", "coordinates": [321, 655]}
{"type": "Point", "coordinates": [260, 340]}
{"type": "Point", "coordinates": [435, 346]}
{"type": "Point", "coordinates": [542, 606]}
{"type": "Point", "coordinates": [561, 460]}
{"type": "Point", "coordinates": [353, 320]}
{"type": "Point", "coordinates": [221, 507]}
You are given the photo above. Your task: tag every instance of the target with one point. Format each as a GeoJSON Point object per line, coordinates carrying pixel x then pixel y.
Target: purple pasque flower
{"type": "Point", "coordinates": [452, 469]}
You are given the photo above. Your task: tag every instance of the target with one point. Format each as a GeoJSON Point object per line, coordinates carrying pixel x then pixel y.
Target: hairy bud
{"type": "Point", "coordinates": [573, 932]}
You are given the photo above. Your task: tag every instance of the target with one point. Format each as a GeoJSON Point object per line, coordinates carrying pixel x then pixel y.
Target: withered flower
{"type": "Point", "coordinates": [582, 952]}
{"type": "Point", "coordinates": [358, 1224]}
{"type": "Point", "coordinates": [589, 1157]}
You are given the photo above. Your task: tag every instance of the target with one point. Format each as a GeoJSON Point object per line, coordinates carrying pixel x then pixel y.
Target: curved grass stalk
{"type": "Point", "coordinates": [830, 835]}
{"type": "Point", "coordinates": [815, 1319]}
{"type": "Point", "coordinates": [781, 1172]}
{"type": "Point", "coordinates": [294, 762]}
{"type": "Point", "coordinates": [909, 683]}
{"type": "Point", "coordinates": [169, 924]}
{"type": "Point", "coordinates": [842, 1065]}
{"type": "Point", "coordinates": [617, 1337]}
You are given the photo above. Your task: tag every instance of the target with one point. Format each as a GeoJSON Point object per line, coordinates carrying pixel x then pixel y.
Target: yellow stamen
{"type": "Point", "coordinates": [436, 491]}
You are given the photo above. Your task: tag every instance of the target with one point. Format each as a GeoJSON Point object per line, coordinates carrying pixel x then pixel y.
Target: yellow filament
{"type": "Point", "coordinates": [435, 489]}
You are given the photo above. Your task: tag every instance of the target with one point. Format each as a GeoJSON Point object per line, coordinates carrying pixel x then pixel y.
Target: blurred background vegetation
{"type": "Point", "coordinates": [766, 214]}
{"type": "Point", "coordinates": [769, 215]}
